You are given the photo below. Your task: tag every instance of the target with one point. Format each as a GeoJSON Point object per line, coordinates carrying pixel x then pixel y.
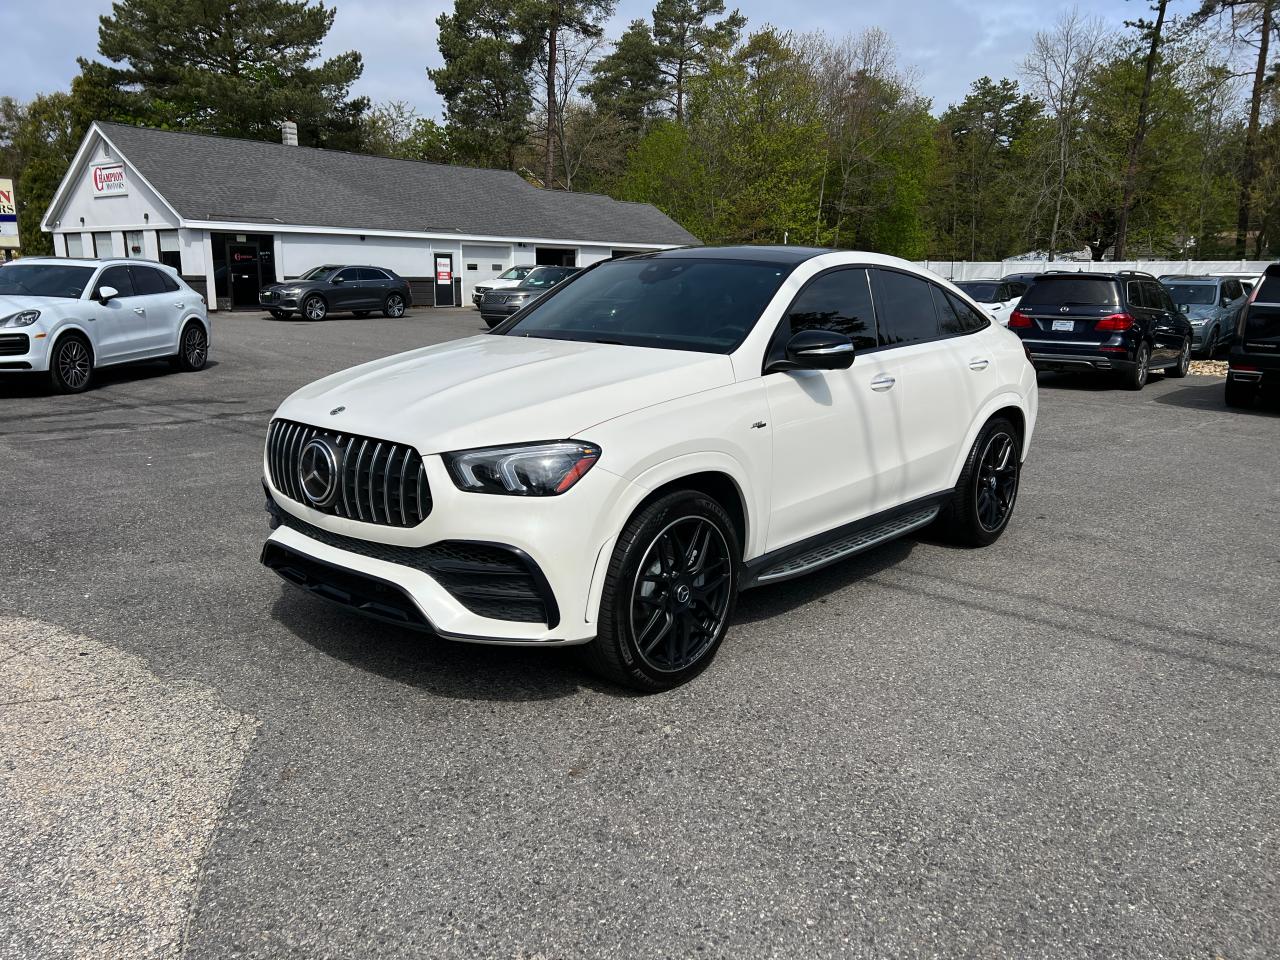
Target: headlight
{"type": "Point", "coordinates": [294, 291]}
{"type": "Point", "coordinates": [23, 318]}
{"type": "Point", "coordinates": [530, 470]}
{"type": "Point", "coordinates": [1199, 321]}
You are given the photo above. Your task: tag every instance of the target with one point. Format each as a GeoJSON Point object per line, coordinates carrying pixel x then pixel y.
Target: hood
{"type": "Point", "coordinates": [10, 305]}
{"type": "Point", "coordinates": [489, 390]}
{"type": "Point", "coordinates": [1197, 310]}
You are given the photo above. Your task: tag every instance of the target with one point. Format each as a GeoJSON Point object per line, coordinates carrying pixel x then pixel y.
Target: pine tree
{"type": "Point", "coordinates": [627, 82]}
{"type": "Point", "coordinates": [687, 39]}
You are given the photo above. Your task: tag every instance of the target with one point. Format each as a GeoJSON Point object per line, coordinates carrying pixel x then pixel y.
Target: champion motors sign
{"type": "Point", "coordinates": [108, 180]}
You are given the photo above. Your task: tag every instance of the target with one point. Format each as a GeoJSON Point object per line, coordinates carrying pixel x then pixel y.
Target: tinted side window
{"type": "Point", "coordinates": [968, 318]}
{"type": "Point", "coordinates": [1016, 288]}
{"type": "Point", "coordinates": [117, 277]}
{"type": "Point", "coordinates": [904, 308]}
{"type": "Point", "coordinates": [349, 275]}
{"type": "Point", "coordinates": [839, 302]}
{"type": "Point", "coordinates": [146, 281]}
{"type": "Point", "coordinates": [1135, 294]}
{"type": "Point", "coordinates": [170, 284]}
{"type": "Point", "coordinates": [1155, 295]}
{"type": "Point", "coordinates": [1232, 289]}
{"type": "Point", "coordinates": [367, 273]}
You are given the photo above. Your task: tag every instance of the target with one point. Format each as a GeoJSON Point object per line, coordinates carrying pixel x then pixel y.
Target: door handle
{"type": "Point", "coordinates": [139, 311]}
{"type": "Point", "coordinates": [882, 383]}
{"type": "Point", "coordinates": [979, 363]}
{"type": "Point", "coordinates": [180, 305]}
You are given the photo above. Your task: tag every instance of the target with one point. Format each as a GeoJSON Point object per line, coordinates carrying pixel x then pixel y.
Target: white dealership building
{"type": "Point", "coordinates": [232, 215]}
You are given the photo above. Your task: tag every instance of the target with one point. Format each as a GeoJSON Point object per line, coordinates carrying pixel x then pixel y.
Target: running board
{"type": "Point", "coordinates": [847, 546]}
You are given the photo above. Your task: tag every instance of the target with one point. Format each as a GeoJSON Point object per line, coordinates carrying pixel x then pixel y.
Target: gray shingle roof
{"type": "Point", "coordinates": [219, 178]}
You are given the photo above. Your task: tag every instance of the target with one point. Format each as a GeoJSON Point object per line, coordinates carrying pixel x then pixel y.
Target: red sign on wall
{"type": "Point", "coordinates": [444, 270]}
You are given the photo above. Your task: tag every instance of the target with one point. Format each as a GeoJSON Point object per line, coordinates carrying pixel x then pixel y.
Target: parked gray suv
{"type": "Point", "coordinates": [322, 290]}
{"type": "Point", "coordinates": [1213, 306]}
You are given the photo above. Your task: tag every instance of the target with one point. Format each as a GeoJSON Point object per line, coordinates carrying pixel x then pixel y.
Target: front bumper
{"type": "Point", "coordinates": [501, 311]}
{"type": "Point", "coordinates": [277, 302]}
{"type": "Point", "coordinates": [24, 349]}
{"type": "Point", "coordinates": [476, 562]}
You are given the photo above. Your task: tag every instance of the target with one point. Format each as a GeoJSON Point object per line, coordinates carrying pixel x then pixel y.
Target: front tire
{"type": "Point", "coordinates": [983, 501]}
{"type": "Point", "coordinates": [393, 306]}
{"type": "Point", "coordinates": [668, 594]}
{"type": "Point", "coordinates": [1184, 362]}
{"type": "Point", "coordinates": [71, 365]}
{"type": "Point", "coordinates": [1210, 346]}
{"type": "Point", "coordinates": [314, 307]}
{"type": "Point", "coordinates": [1136, 378]}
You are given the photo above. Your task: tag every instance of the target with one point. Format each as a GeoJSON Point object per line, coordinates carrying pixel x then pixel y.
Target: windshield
{"type": "Point", "coordinates": [984, 291]}
{"type": "Point", "coordinates": [1069, 291]}
{"type": "Point", "coordinates": [44, 280]}
{"type": "Point", "coordinates": [669, 303]}
{"type": "Point", "coordinates": [515, 273]}
{"type": "Point", "coordinates": [318, 273]}
{"type": "Point", "coordinates": [543, 277]}
{"type": "Point", "coordinates": [1199, 293]}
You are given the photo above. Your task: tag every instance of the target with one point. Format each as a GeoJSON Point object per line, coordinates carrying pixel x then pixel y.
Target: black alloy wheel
{"type": "Point", "coordinates": [668, 594]}
{"type": "Point", "coordinates": [71, 367]}
{"type": "Point", "coordinates": [681, 594]}
{"type": "Point", "coordinates": [997, 486]}
{"type": "Point", "coordinates": [314, 307]}
{"type": "Point", "coordinates": [1136, 378]}
{"type": "Point", "coordinates": [193, 351]}
{"type": "Point", "coordinates": [1183, 365]}
{"type": "Point", "coordinates": [393, 306]}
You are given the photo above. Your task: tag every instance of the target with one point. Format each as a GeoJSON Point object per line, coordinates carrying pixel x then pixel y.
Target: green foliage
{"type": "Point", "coordinates": [39, 140]}
{"type": "Point", "coordinates": [628, 81]}
{"type": "Point", "coordinates": [688, 40]}
{"type": "Point", "coordinates": [230, 67]}
{"type": "Point", "coordinates": [394, 129]}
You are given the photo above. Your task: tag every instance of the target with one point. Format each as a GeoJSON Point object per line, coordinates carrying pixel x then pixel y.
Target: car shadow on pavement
{"type": "Point", "coordinates": [1210, 396]}
{"type": "Point", "coordinates": [445, 668]}
{"type": "Point", "coordinates": [37, 384]}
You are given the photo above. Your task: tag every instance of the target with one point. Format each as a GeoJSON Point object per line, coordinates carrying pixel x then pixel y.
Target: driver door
{"type": "Point", "coordinates": [120, 325]}
{"type": "Point", "coordinates": [837, 454]}
{"type": "Point", "coordinates": [347, 291]}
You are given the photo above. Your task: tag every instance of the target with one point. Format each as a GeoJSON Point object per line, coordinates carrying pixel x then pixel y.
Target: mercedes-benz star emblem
{"type": "Point", "coordinates": [1064, 309]}
{"type": "Point", "coordinates": [336, 410]}
{"type": "Point", "coordinates": [682, 593]}
{"type": "Point", "coordinates": [318, 472]}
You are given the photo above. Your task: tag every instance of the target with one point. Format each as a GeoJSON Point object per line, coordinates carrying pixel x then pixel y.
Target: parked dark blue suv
{"type": "Point", "coordinates": [1123, 322]}
{"type": "Point", "coordinates": [1254, 364]}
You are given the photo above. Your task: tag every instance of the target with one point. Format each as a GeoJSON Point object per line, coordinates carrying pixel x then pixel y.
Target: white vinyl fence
{"type": "Point", "coordinates": [994, 269]}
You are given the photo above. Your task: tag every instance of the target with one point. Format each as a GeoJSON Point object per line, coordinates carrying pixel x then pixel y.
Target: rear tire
{"type": "Point", "coordinates": [668, 595]}
{"type": "Point", "coordinates": [71, 364]}
{"type": "Point", "coordinates": [983, 501]}
{"type": "Point", "coordinates": [1241, 395]}
{"type": "Point", "coordinates": [1180, 369]}
{"type": "Point", "coordinates": [1136, 378]}
{"type": "Point", "coordinates": [193, 348]}
{"type": "Point", "coordinates": [393, 306]}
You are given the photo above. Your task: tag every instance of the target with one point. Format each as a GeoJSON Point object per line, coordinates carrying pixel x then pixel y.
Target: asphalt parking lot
{"type": "Point", "coordinates": [1064, 745]}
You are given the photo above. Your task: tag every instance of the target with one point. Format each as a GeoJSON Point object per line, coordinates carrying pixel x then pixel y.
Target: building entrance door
{"type": "Point", "coordinates": [444, 280]}
{"type": "Point", "coordinates": [246, 274]}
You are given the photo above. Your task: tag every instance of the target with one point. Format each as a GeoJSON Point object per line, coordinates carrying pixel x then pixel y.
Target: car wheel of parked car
{"type": "Point", "coordinates": [393, 306]}
{"type": "Point", "coordinates": [1241, 394]}
{"type": "Point", "coordinates": [1210, 345]}
{"type": "Point", "coordinates": [314, 307]}
{"type": "Point", "coordinates": [984, 497]}
{"type": "Point", "coordinates": [668, 594]}
{"type": "Point", "coordinates": [280, 314]}
{"type": "Point", "coordinates": [1184, 363]}
{"type": "Point", "coordinates": [1136, 378]}
{"type": "Point", "coordinates": [71, 366]}
{"type": "Point", "coordinates": [193, 348]}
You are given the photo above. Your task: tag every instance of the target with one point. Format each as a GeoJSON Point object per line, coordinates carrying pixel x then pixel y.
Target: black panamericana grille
{"type": "Point", "coordinates": [14, 344]}
{"type": "Point", "coordinates": [488, 579]}
{"type": "Point", "coordinates": [381, 482]}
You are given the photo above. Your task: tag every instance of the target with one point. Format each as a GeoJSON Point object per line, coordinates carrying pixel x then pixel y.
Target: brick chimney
{"type": "Point", "coordinates": [289, 133]}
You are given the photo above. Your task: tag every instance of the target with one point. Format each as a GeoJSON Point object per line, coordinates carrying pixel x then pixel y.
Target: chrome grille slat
{"type": "Point", "coordinates": [397, 467]}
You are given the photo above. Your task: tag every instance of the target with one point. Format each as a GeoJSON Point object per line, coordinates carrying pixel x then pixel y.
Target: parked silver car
{"type": "Point", "coordinates": [1213, 306]}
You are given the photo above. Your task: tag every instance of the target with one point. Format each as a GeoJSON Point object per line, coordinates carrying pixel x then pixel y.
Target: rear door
{"type": "Point", "coordinates": [162, 313]}
{"type": "Point", "coordinates": [1064, 310]}
{"type": "Point", "coordinates": [1167, 323]}
{"type": "Point", "coordinates": [375, 286]}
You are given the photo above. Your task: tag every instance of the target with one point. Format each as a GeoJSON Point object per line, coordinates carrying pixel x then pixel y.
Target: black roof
{"type": "Point", "coordinates": [788, 256]}
{"type": "Point", "coordinates": [251, 181]}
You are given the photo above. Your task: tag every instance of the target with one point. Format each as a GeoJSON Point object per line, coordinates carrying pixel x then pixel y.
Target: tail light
{"type": "Point", "coordinates": [1115, 323]}
{"type": "Point", "coordinates": [1244, 368]}
{"type": "Point", "coordinates": [1019, 320]}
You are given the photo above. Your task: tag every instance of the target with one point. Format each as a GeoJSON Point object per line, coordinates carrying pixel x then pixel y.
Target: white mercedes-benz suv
{"type": "Point", "coordinates": [614, 463]}
{"type": "Point", "coordinates": [69, 317]}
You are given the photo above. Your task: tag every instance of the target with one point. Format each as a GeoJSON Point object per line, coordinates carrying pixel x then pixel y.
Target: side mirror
{"type": "Point", "coordinates": [1184, 307]}
{"type": "Point", "coordinates": [338, 280]}
{"type": "Point", "coordinates": [107, 293]}
{"type": "Point", "coordinates": [816, 350]}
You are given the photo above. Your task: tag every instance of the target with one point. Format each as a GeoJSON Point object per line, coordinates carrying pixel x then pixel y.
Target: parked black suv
{"type": "Point", "coordinates": [1122, 321]}
{"type": "Point", "coordinates": [1254, 363]}
{"type": "Point", "coordinates": [322, 290]}
{"type": "Point", "coordinates": [497, 305]}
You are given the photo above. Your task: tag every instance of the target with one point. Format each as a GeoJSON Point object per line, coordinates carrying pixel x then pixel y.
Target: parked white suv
{"type": "Point", "coordinates": [69, 317]}
{"type": "Point", "coordinates": [510, 277]}
{"type": "Point", "coordinates": [613, 464]}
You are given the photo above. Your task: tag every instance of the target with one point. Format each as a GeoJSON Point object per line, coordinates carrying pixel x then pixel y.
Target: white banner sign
{"type": "Point", "coordinates": [108, 180]}
{"type": "Point", "coordinates": [8, 215]}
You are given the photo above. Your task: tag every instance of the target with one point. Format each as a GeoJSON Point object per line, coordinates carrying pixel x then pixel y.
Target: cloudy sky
{"type": "Point", "coordinates": [949, 43]}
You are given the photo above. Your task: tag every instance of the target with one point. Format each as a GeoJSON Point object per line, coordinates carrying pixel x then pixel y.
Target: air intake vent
{"type": "Point", "coordinates": [375, 481]}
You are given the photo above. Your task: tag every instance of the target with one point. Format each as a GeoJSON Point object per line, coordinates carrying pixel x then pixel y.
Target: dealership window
{"type": "Point", "coordinates": [133, 243]}
{"type": "Point", "coordinates": [75, 245]}
{"type": "Point", "coordinates": [473, 266]}
{"type": "Point", "coordinates": [102, 245]}
{"type": "Point", "coordinates": [169, 254]}
{"type": "Point", "coordinates": [495, 266]}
